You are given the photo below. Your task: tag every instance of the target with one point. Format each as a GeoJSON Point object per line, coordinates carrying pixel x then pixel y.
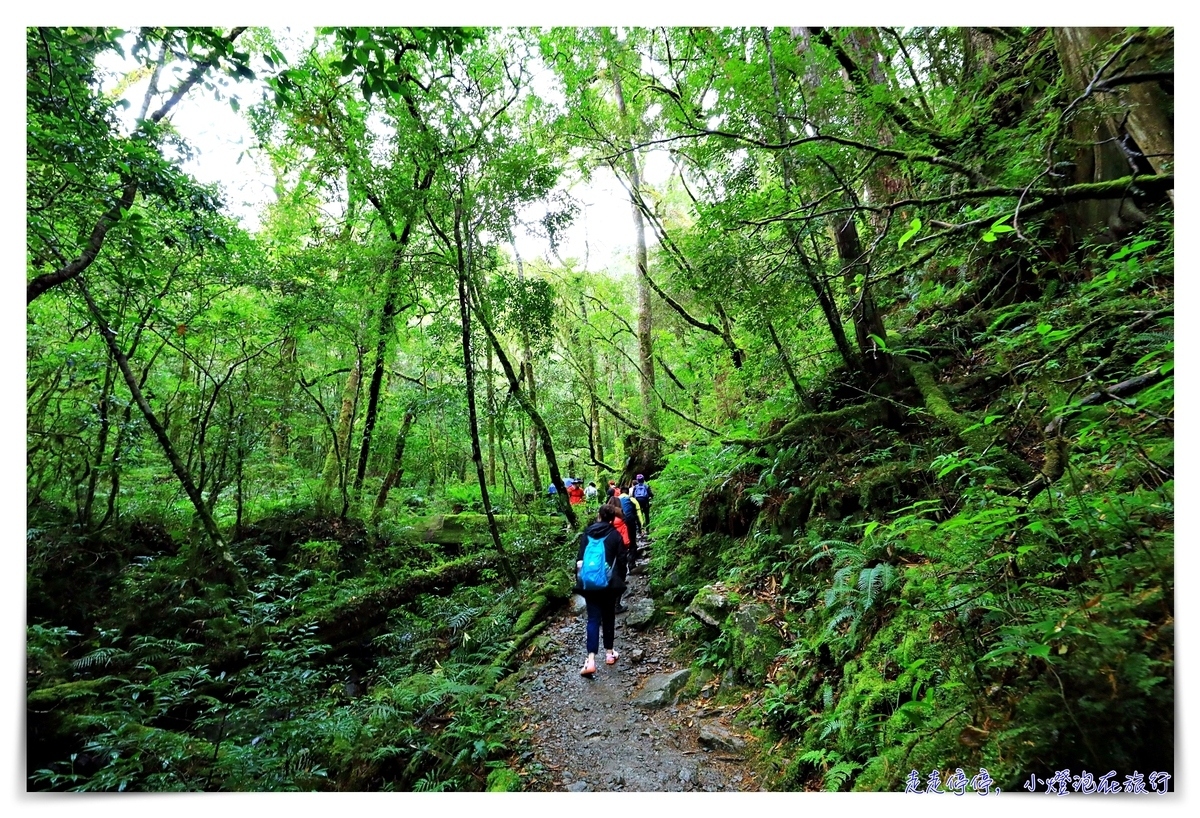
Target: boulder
{"type": "Point", "coordinates": [660, 690]}
{"type": "Point", "coordinates": [755, 641]}
{"type": "Point", "coordinates": [640, 614]}
{"type": "Point", "coordinates": [710, 605]}
{"type": "Point", "coordinates": [716, 737]}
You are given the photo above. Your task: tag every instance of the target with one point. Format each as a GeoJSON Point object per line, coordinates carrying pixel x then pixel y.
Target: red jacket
{"type": "Point", "coordinates": [574, 494]}
{"type": "Point", "coordinates": [619, 525]}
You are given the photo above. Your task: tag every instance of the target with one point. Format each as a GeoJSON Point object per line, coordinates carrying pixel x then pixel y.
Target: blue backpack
{"type": "Point", "coordinates": [641, 490]}
{"type": "Point", "coordinates": [595, 573]}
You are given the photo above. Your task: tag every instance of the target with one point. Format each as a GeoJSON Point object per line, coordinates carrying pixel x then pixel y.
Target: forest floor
{"type": "Point", "coordinates": [594, 735]}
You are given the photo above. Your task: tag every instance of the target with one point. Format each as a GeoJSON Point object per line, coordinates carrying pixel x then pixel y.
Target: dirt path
{"type": "Point", "coordinates": [593, 735]}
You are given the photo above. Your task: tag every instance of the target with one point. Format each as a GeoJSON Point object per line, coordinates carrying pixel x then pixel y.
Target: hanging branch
{"type": "Point", "coordinates": [40, 284]}
{"type": "Point", "coordinates": [677, 257]}
{"type": "Point", "coordinates": [222, 553]}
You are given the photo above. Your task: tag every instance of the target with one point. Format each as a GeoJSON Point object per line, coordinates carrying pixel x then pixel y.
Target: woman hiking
{"type": "Point", "coordinates": [619, 524]}
{"type": "Point", "coordinates": [601, 602]}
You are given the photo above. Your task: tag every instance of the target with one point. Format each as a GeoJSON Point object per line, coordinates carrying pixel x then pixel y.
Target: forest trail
{"type": "Point", "coordinates": [593, 735]}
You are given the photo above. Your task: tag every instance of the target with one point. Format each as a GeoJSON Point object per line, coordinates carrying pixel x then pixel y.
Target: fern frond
{"type": "Point", "coordinates": [100, 656]}
{"type": "Point", "coordinates": [839, 774]}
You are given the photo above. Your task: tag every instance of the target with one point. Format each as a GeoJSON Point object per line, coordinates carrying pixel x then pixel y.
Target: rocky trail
{"type": "Point", "coordinates": [625, 729]}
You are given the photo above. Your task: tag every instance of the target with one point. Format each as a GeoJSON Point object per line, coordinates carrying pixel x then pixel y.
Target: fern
{"type": "Point", "coordinates": [100, 656]}
{"type": "Point", "coordinates": [873, 581]}
{"type": "Point", "coordinates": [839, 774]}
{"type": "Point", "coordinates": [818, 757]}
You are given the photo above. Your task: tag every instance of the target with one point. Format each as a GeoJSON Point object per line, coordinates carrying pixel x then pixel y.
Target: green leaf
{"type": "Point", "coordinates": [234, 104]}
{"type": "Point", "coordinates": [914, 228]}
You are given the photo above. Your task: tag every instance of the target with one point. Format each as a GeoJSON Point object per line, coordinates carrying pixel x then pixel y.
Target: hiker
{"type": "Point", "coordinates": [643, 494]}
{"type": "Point", "coordinates": [574, 492]}
{"type": "Point", "coordinates": [601, 602]}
{"type": "Point", "coordinates": [632, 513]}
{"type": "Point", "coordinates": [612, 488]}
{"type": "Point", "coordinates": [552, 497]}
{"type": "Point", "coordinates": [619, 524]}
{"type": "Point", "coordinates": [589, 495]}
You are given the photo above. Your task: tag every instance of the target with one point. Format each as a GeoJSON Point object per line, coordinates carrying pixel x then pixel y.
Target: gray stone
{"type": "Point", "coordinates": [687, 775]}
{"type": "Point", "coordinates": [659, 691]}
{"type": "Point", "coordinates": [709, 605]}
{"type": "Point", "coordinates": [578, 604]}
{"type": "Point", "coordinates": [716, 737]}
{"type": "Point", "coordinates": [637, 656]}
{"type": "Point", "coordinates": [641, 612]}
{"type": "Point", "coordinates": [578, 786]}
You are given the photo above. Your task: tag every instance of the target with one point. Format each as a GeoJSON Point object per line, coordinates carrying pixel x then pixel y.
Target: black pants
{"type": "Point", "coordinates": [602, 611]}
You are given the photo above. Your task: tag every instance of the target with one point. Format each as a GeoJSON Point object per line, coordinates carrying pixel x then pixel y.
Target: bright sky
{"type": "Point", "coordinates": [603, 232]}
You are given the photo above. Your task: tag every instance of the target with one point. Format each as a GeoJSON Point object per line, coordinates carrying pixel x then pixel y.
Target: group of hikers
{"type": "Point", "coordinates": [608, 552]}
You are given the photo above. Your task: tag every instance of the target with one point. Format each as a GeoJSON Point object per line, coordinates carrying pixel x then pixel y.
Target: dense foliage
{"type": "Point", "coordinates": [893, 342]}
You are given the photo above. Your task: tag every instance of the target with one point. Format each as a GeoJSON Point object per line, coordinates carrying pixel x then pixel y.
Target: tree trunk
{"type": "Point", "coordinates": [338, 455]}
{"type": "Point", "coordinates": [514, 385]}
{"type": "Point", "coordinates": [589, 369]}
{"type": "Point", "coordinates": [1107, 145]}
{"type": "Point", "coordinates": [491, 420]}
{"type": "Point", "coordinates": [472, 417]}
{"type": "Point", "coordinates": [85, 517]}
{"type": "Point", "coordinates": [397, 469]}
{"type": "Point", "coordinates": [866, 318]}
{"type": "Point", "coordinates": [527, 374]}
{"type": "Point", "coordinates": [285, 385]}
{"type": "Point", "coordinates": [801, 395]}
{"type": "Point", "coordinates": [820, 287]}
{"type": "Point", "coordinates": [644, 325]}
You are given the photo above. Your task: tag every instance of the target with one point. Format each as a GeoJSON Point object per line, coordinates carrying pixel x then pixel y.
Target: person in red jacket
{"type": "Point", "coordinates": [575, 493]}
{"type": "Point", "coordinates": [619, 523]}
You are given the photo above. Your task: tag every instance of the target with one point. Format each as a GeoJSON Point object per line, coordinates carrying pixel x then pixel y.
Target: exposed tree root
{"type": "Point", "coordinates": [978, 439]}
{"type": "Point", "coordinates": [817, 422]}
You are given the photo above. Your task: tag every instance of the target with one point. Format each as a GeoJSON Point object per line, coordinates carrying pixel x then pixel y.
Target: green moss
{"type": "Point", "coordinates": [503, 779]}
{"type": "Point", "coordinates": [52, 696]}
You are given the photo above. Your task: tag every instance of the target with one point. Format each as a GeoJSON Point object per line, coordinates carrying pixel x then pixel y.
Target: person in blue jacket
{"type": "Point", "coordinates": [643, 494]}
{"type": "Point", "coordinates": [601, 604]}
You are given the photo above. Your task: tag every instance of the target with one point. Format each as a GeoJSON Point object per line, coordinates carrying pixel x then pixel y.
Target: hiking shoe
{"type": "Point", "coordinates": [589, 668]}
{"type": "Point", "coordinates": [612, 657]}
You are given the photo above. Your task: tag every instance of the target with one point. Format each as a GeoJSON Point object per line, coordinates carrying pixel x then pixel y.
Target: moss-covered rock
{"type": "Point", "coordinates": [755, 642]}
{"type": "Point", "coordinates": [503, 779]}
{"type": "Point", "coordinates": [710, 605]}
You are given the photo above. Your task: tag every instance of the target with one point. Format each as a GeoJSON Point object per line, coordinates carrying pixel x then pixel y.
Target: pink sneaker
{"type": "Point", "coordinates": [612, 657]}
{"type": "Point", "coordinates": [589, 668]}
